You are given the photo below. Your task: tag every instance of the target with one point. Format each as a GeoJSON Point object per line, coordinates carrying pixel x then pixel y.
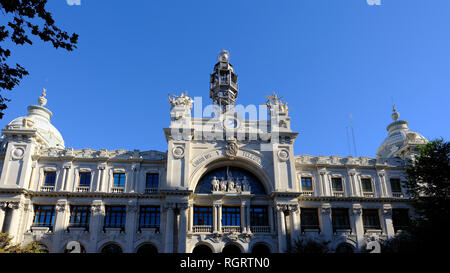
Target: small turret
{"type": "Point", "coordinates": [223, 84]}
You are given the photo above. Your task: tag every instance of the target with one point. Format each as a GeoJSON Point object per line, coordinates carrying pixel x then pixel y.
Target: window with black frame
{"type": "Point", "coordinates": [149, 217]}
{"type": "Point", "coordinates": [79, 217]}
{"type": "Point", "coordinates": [340, 218]}
{"type": "Point", "coordinates": [85, 179]}
{"type": "Point", "coordinates": [309, 218]}
{"type": "Point", "coordinates": [115, 217]}
{"type": "Point", "coordinates": [366, 185]}
{"type": "Point", "coordinates": [202, 216]}
{"type": "Point", "coordinates": [151, 180]}
{"type": "Point", "coordinates": [231, 216]}
{"type": "Point", "coordinates": [44, 216]}
{"type": "Point", "coordinates": [307, 184]}
{"type": "Point", "coordinates": [259, 216]}
{"type": "Point", "coordinates": [336, 183]}
{"type": "Point", "coordinates": [396, 185]}
{"type": "Point", "coordinates": [400, 219]}
{"type": "Point", "coordinates": [49, 178]}
{"type": "Point", "coordinates": [371, 219]}
{"type": "Point", "coordinates": [119, 180]}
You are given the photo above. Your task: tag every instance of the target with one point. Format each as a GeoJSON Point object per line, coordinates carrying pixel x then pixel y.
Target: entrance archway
{"type": "Point", "coordinates": [344, 248]}
{"type": "Point", "coordinates": [231, 249]}
{"type": "Point", "coordinates": [202, 250]}
{"type": "Point", "coordinates": [147, 249]}
{"type": "Point", "coordinates": [111, 248]}
{"type": "Point", "coordinates": [260, 249]}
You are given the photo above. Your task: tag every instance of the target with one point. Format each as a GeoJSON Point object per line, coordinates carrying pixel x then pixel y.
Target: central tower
{"type": "Point", "coordinates": [223, 84]}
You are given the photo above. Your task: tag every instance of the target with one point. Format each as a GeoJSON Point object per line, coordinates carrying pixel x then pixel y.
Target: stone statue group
{"type": "Point", "coordinates": [230, 185]}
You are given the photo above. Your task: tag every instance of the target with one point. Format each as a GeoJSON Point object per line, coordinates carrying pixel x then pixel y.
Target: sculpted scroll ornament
{"type": "Point", "coordinates": [231, 149]}
{"type": "Point", "coordinates": [283, 155]}
{"type": "Point", "coordinates": [178, 152]}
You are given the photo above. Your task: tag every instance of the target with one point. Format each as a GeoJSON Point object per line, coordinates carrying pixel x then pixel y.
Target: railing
{"type": "Point", "coordinates": [117, 189]}
{"type": "Point", "coordinates": [151, 190]}
{"type": "Point", "coordinates": [47, 188]}
{"type": "Point", "coordinates": [227, 229]}
{"type": "Point", "coordinates": [202, 229]}
{"type": "Point", "coordinates": [308, 193]}
{"type": "Point", "coordinates": [260, 229]}
{"type": "Point", "coordinates": [338, 194]}
{"type": "Point", "coordinates": [82, 189]}
{"type": "Point", "coordinates": [368, 194]}
{"type": "Point", "coordinates": [397, 194]}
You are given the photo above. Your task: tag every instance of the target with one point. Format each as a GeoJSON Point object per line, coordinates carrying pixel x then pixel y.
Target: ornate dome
{"type": "Point", "coordinates": [39, 118]}
{"type": "Point", "coordinates": [399, 137]}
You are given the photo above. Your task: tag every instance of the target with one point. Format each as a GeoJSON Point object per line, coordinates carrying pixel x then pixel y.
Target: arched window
{"type": "Point", "coordinates": [202, 250]}
{"type": "Point", "coordinates": [260, 249]}
{"type": "Point", "coordinates": [112, 248]}
{"type": "Point", "coordinates": [147, 249]}
{"type": "Point", "coordinates": [239, 177]}
{"type": "Point", "coordinates": [231, 249]}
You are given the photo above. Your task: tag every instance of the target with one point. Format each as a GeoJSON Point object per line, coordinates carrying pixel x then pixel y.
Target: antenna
{"type": "Point", "coordinates": [353, 134]}
{"type": "Point", "coordinates": [348, 141]}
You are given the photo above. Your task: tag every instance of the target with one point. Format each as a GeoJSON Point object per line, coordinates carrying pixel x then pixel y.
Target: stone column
{"type": "Point", "coordinates": [13, 226]}
{"type": "Point", "coordinates": [352, 183]}
{"type": "Point", "coordinates": [3, 206]}
{"type": "Point", "coordinates": [387, 221]}
{"type": "Point", "coordinates": [247, 221]}
{"type": "Point", "coordinates": [182, 234]}
{"type": "Point", "coordinates": [60, 227]}
{"type": "Point", "coordinates": [95, 224]}
{"type": "Point", "coordinates": [134, 174]}
{"type": "Point", "coordinates": [357, 224]}
{"type": "Point", "coordinates": [383, 186]}
{"type": "Point", "coordinates": [324, 182]}
{"type": "Point", "coordinates": [271, 223]}
{"type": "Point", "coordinates": [281, 229]}
{"type": "Point", "coordinates": [215, 217]}
{"type": "Point", "coordinates": [191, 217]}
{"type": "Point", "coordinates": [327, 224]}
{"type": "Point", "coordinates": [66, 176]}
{"type": "Point", "coordinates": [243, 216]}
{"type": "Point", "coordinates": [295, 222]}
{"type": "Point", "coordinates": [130, 224]}
{"type": "Point", "coordinates": [168, 244]}
{"type": "Point", "coordinates": [101, 173]}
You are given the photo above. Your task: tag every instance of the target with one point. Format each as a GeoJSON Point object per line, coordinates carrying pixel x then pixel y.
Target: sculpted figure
{"type": "Point", "coordinates": [238, 185]}
{"type": "Point", "coordinates": [215, 184]}
{"type": "Point", "coordinates": [245, 184]}
{"type": "Point", "coordinates": [223, 185]}
{"type": "Point", "coordinates": [231, 186]}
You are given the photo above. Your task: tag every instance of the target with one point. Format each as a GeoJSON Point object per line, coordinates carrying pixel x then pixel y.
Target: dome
{"type": "Point", "coordinates": [399, 137]}
{"type": "Point", "coordinates": [39, 118]}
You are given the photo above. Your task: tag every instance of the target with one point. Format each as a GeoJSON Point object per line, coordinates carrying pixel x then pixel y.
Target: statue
{"type": "Point", "coordinates": [238, 185]}
{"type": "Point", "coordinates": [245, 184]}
{"type": "Point", "coordinates": [231, 186]}
{"type": "Point", "coordinates": [182, 99]}
{"type": "Point", "coordinates": [223, 185]}
{"type": "Point", "coordinates": [215, 184]}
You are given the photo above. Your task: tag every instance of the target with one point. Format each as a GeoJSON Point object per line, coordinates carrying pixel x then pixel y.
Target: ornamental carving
{"type": "Point", "coordinates": [231, 148]}
{"type": "Point", "coordinates": [326, 209]}
{"type": "Point", "coordinates": [178, 152]}
{"type": "Point", "coordinates": [18, 153]}
{"type": "Point", "coordinates": [387, 210]}
{"type": "Point", "coordinates": [181, 100]}
{"type": "Point", "coordinates": [357, 210]}
{"type": "Point", "coordinates": [283, 155]}
{"type": "Point", "coordinates": [97, 209]}
{"type": "Point", "coordinates": [61, 207]}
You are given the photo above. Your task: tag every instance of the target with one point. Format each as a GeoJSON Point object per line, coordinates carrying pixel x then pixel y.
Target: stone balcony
{"type": "Point", "coordinates": [202, 229]}
{"type": "Point", "coordinates": [47, 188]}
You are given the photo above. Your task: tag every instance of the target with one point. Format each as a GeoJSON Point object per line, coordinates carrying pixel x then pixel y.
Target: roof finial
{"type": "Point", "coordinates": [42, 100]}
{"type": "Point", "coordinates": [224, 56]}
{"type": "Point", "coordinates": [395, 115]}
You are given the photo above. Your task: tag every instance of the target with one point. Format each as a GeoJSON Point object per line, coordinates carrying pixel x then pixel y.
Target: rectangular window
{"type": "Point", "coordinates": [337, 184]}
{"type": "Point", "coordinates": [149, 217]}
{"type": "Point", "coordinates": [85, 179]}
{"type": "Point", "coordinates": [396, 185]}
{"type": "Point", "coordinates": [79, 216]}
{"type": "Point", "coordinates": [115, 217]}
{"type": "Point", "coordinates": [49, 179]}
{"type": "Point", "coordinates": [400, 219]}
{"type": "Point", "coordinates": [231, 216]}
{"type": "Point", "coordinates": [340, 218]}
{"type": "Point", "coordinates": [371, 219]}
{"type": "Point", "coordinates": [202, 216]}
{"type": "Point", "coordinates": [44, 216]}
{"type": "Point", "coordinates": [366, 184]}
{"type": "Point", "coordinates": [309, 218]}
{"type": "Point", "coordinates": [151, 180]}
{"type": "Point", "coordinates": [119, 180]}
{"type": "Point", "coordinates": [307, 184]}
{"type": "Point", "coordinates": [259, 216]}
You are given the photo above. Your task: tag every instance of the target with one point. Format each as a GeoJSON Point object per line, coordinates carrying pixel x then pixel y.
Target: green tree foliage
{"type": "Point", "coordinates": [307, 245]}
{"type": "Point", "coordinates": [7, 247]}
{"type": "Point", "coordinates": [25, 17]}
{"type": "Point", "coordinates": [429, 187]}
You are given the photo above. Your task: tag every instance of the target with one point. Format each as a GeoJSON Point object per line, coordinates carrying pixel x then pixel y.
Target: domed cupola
{"type": "Point", "coordinates": [38, 118]}
{"type": "Point", "coordinates": [401, 142]}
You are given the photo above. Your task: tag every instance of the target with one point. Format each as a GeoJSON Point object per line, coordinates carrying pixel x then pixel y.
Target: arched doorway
{"type": "Point", "coordinates": [260, 249]}
{"type": "Point", "coordinates": [202, 250]}
{"type": "Point", "coordinates": [111, 248]}
{"type": "Point", "coordinates": [231, 249]}
{"type": "Point", "coordinates": [147, 249]}
{"type": "Point", "coordinates": [344, 248]}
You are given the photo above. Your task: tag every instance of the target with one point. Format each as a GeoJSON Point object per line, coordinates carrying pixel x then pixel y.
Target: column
{"type": "Point", "coordinates": [191, 217]}
{"type": "Point", "coordinates": [357, 224]}
{"type": "Point", "coordinates": [168, 244]}
{"type": "Point", "coordinates": [247, 221]}
{"type": "Point", "coordinates": [327, 224]}
{"type": "Point", "coordinates": [95, 225]}
{"type": "Point", "coordinates": [271, 223]}
{"type": "Point", "coordinates": [215, 217]}
{"type": "Point", "coordinates": [387, 220]}
{"type": "Point", "coordinates": [243, 216]}
{"type": "Point", "coordinates": [2, 214]}
{"type": "Point", "coordinates": [324, 181]}
{"type": "Point", "coordinates": [383, 186]}
{"type": "Point", "coordinates": [134, 169]}
{"type": "Point", "coordinates": [13, 226]}
{"type": "Point", "coordinates": [66, 176]}
{"type": "Point", "coordinates": [183, 226]}
{"type": "Point", "coordinates": [281, 229]}
{"type": "Point", "coordinates": [60, 224]}
{"type": "Point", "coordinates": [130, 224]}
{"type": "Point", "coordinates": [351, 183]}
{"type": "Point", "coordinates": [101, 171]}
{"type": "Point", "coordinates": [295, 223]}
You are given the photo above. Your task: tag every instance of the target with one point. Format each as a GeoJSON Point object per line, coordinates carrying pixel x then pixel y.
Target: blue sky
{"type": "Point", "coordinates": [328, 58]}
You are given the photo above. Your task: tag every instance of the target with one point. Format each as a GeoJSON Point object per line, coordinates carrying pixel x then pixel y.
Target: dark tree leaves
{"type": "Point", "coordinates": [25, 14]}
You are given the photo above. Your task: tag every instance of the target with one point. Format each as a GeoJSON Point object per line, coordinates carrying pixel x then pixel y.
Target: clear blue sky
{"type": "Point", "coordinates": [328, 58]}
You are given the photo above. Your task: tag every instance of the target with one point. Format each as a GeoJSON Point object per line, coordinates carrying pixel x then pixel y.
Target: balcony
{"type": "Point", "coordinates": [150, 190]}
{"type": "Point", "coordinates": [368, 194]}
{"type": "Point", "coordinates": [202, 229]}
{"type": "Point", "coordinates": [338, 194]}
{"type": "Point", "coordinates": [47, 188]}
{"type": "Point", "coordinates": [117, 190]}
{"type": "Point", "coordinates": [231, 229]}
{"type": "Point", "coordinates": [260, 229]}
{"type": "Point", "coordinates": [307, 193]}
{"type": "Point", "coordinates": [82, 189]}
{"type": "Point", "coordinates": [397, 194]}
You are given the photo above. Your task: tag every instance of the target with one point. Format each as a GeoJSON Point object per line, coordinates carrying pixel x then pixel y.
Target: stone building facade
{"type": "Point", "coordinates": [225, 184]}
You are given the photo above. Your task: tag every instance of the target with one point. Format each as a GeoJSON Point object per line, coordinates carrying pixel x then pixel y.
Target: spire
{"type": "Point", "coordinates": [42, 100]}
{"type": "Point", "coordinates": [395, 115]}
{"type": "Point", "coordinates": [223, 84]}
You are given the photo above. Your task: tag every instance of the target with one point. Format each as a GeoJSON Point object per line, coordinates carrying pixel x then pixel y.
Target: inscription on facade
{"type": "Point", "coordinates": [218, 153]}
